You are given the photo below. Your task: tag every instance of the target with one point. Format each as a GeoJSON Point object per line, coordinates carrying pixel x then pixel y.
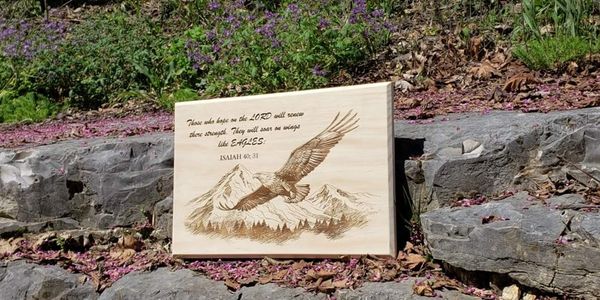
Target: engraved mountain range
{"type": "Point", "coordinates": [328, 210]}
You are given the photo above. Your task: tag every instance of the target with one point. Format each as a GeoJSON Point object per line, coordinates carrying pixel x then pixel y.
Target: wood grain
{"type": "Point", "coordinates": [300, 174]}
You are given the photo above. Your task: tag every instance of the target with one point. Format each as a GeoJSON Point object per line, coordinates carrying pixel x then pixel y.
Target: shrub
{"type": "Point", "coordinates": [11, 9]}
{"type": "Point", "coordinates": [555, 32]}
{"type": "Point", "coordinates": [560, 17]}
{"type": "Point", "coordinates": [554, 53]}
{"type": "Point", "coordinates": [21, 43]}
{"type": "Point", "coordinates": [30, 107]}
{"type": "Point", "coordinates": [298, 46]}
{"type": "Point", "coordinates": [101, 60]}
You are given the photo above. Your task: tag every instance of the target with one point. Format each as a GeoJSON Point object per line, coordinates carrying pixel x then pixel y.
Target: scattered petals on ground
{"type": "Point", "coordinates": [12, 136]}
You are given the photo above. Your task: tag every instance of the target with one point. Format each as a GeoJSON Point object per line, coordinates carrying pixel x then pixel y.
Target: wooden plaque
{"type": "Point", "coordinates": [300, 174]}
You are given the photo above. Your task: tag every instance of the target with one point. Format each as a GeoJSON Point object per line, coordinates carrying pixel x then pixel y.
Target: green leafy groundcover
{"type": "Point", "coordinates": [231, 48]}
{"type": "Point", "coordinates": [297, 46]}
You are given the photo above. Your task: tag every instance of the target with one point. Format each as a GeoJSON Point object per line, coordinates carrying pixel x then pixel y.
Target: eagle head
{"type": "Point", "coordinates": [264, 178]}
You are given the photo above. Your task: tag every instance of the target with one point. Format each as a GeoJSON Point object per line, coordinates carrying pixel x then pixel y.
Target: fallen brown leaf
{"type": "Point", "coordinates": [474, 47]}
{"type": "Point", "coordinates": [414, 260]}
{"type": "Point", "coordinates": [44, 239]}
{"type": "Point", "coordinates": [122, 255]}
{"type": "Point", "coordinates": [340, 283]}
{"type": "Point", "coordinates": [232, 285]}
{"type": "Point", "coordinates": [265, 279]}
{"type": "Point", "coordinates": [299, 265]}
{"type": "Point", "coordinates": [128, 241]}
{"type": "Point", "coordinates": [326, 286]}
{"type": "Point", "coordinates": [445, 282]}
{"type": "Point", "coordinates": [325, 274]}
{"type": "Point", "coordinates": [517, 82]}
{"type": "Point", "coordinates": [10, 246]}
{"type": "Point", "coordinates": [280, 275]}
{"type": "Point", "coordinates": [408, 247]}
{"type": "Point", "coordinates": [484, 70]}
{"type": "Point", "coordinates": [423, 289]}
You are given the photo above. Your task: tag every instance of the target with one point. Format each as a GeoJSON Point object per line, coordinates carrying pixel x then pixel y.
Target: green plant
{"type": "Point", "coordinates": [11, 9]}
{"type": "Point", "coordinates": [555, 32]}
{"type": "Point", "coordinates": [102, 58]}
{"type": "Point", "coordinates": [554, 53]}
{"type": "Point", "coordinates": [167, 101]}
{"type": "Point", "coordinates": [298, 46]}
{"type": "Point", "coordinates": [560, 17]}
{"type": "Point", "coordinates": [31, 107]}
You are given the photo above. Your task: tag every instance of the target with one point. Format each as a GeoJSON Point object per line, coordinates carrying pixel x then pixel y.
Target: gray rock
{"type": "Point", "coordinates": [10, 227]}
{"type": "Point", "coordinates": [162, 217]}
{"type": "Point", "coordinates": [21, 280]}
{"type": "Point", "coordinates": [393, 291]}
{"type": "Point", "coordinates": [487, 154]}
{"type": "Point", "coordinates": [164, 284]}
{"type": "Point", "coordinates": [272, 291]}
{"type": "Point", "coordinates": [99, 183]}
{"type": "Point", "coordinates": [540, 246]}
{"type": "Point", "coordinates": [106, 182]}
{"type": "Point", "coordinates": [185, 284]}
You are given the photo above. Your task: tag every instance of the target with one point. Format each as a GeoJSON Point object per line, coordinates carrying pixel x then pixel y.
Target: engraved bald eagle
{"type": "Point", "coordinates": [301, 162]}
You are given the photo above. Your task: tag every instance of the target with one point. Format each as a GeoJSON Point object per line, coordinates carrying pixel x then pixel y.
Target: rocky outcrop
{"type": "Point", "coordinates": [553, 247]}
{"type": "Point", "coordinates": [162, 219]}
{"type": "Point", "coordinates": [99, 183]}
{"type": "Point", "coordinates": [21, 280]}
{"type": "Point", "coordinates": [394, 291]}
{"type": "Point", "coordinates": [474, 153]}
{"type": "Point", "coordinates": [185, 284]}
{"type": "Point", "coordinates": [165, 284]}
{"type": "Point", "coordinates": [107, 182]}
{"type": "Point", "coordinates": [111, 182]}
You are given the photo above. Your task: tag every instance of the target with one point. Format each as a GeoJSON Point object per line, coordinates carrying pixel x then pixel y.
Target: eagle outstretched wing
{"type": "Point", "coordinates": [250, 201]}
{"type": "Point", "coordinates": [307, 157]}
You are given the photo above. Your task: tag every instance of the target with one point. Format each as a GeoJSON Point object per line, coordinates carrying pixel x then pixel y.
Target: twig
{"type": "Point", "coordinates": [46, 10]}
{"type": "Point", "coordinates": [578, 168]}
{"type": "Point", "coordinates": [66, 3]}
{"type": "Point", "coordinates": [578, 206]}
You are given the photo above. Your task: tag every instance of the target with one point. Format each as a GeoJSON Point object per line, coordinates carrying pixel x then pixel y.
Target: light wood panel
{"type": "Point", "coordinates": [300, 174]}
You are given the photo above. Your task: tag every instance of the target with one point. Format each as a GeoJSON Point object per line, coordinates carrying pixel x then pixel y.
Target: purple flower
{"type": "Point", "coordinates": [216, 48]}
{"type": "Point", "coordinates": [562, 240]}
{"type": "Point", "coordinates": [211, 35]}
{"type": "Point", "coordinates": [238, 4]}
{"type": "Point", "coordinates": [323, 23]}
{"type": "Point", "coordinates": [275, 43]}
{"type": "Point", "coordinates": [11, 51]}
{"type": "Point", "coordinates": [390, 27]}
{"type": "Point", "coordinates": [358, 10]}
{"type": "Point", "coordinates": [270, 15]}
{"type": "Point", "coordinates": [267, 30]}
{"type": "Point", "coordinates": [233, 22]}
{"type": "Point", "coordinates": [317, 71]}
{"type": "Point", "coordinates": [7, 33]}
{"type": "Point", "coordinates": [197, 58]}
{"type": "Point", "coordinates": [213, 5]}
{"type": "Point", "coordinates": [293, 9]}
{"type": "Point", "coordinates": [378, 13]}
